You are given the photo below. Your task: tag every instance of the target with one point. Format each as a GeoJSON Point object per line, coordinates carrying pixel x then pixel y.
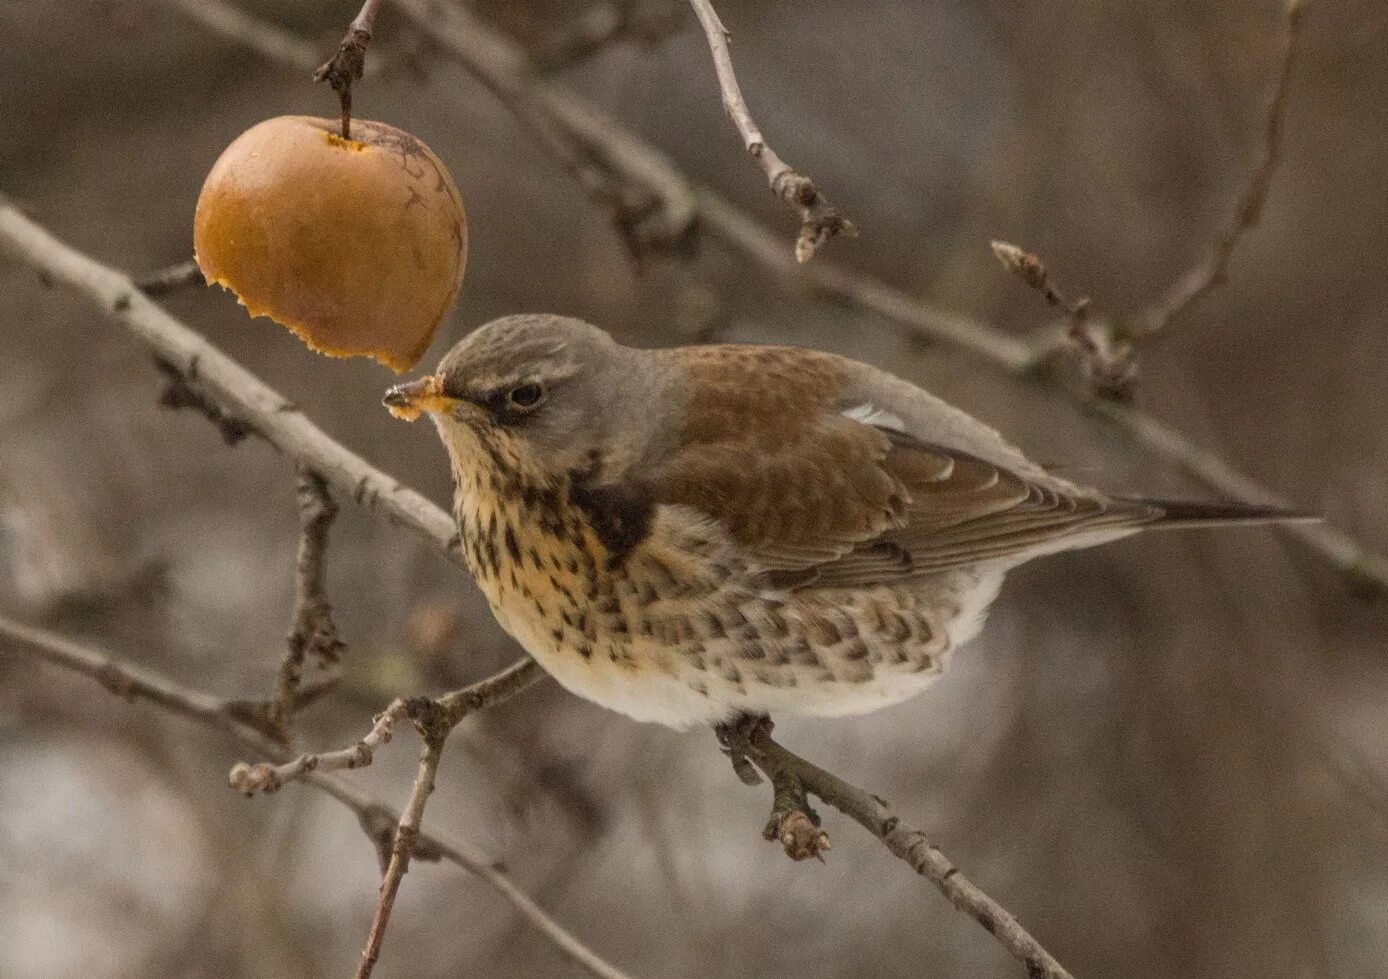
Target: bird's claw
{"type": "Point", "coordinates": [734, 736]}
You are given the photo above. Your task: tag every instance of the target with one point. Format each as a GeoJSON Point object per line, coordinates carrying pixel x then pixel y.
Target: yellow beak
{"type": "Point", "coordinates": [411, 399]}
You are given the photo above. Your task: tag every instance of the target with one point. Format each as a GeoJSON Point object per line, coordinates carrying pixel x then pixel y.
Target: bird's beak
{"type": "Point", "coordinates": [411, 399]}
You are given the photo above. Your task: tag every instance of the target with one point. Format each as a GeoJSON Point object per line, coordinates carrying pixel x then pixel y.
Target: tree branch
{"type": "Point", "coordinates": [496, 689]}
{"type": "Point", "coordinates": [648, 199]}
{"type": "Point", "coordinates": [130, 682]}
{"type": "Point", "coordinates": [432, 736]}
{"type": "Point", "coordinates": [1210, 272]}
{"type": "Point", "coordinates": [793, 777]}
{"type": "Point", "coordinates": [819, 220]}
{"type": "Point", "coordinates": [238, 394]}
{"type": "Point", "coordinates": [312, 631]}
{"type": "Point", "coordinates": [1110, 364]}
{"type": "Point", "coordinates": [435, 720]}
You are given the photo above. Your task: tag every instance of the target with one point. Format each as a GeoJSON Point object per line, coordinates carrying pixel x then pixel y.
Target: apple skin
{"type": "Point", "coordinates": [358, 246]}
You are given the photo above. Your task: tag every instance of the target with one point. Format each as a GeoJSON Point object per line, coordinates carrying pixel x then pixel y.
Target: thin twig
{"type": "Point", "coordinates": [819, 220]}
{"type": "Point", "coordinates": [346, 67]}
{"type": "Point", "coordinates": [262, 777]}
{"type": "Point", "coordinates": [1110, 366]}
{"type": "Point", "coordinates": [252, 777]}
{"type": "Point", "coordinates": [312, 631]}
{"type": "Point", "coordinates": [793, 776]}
{"type": "Point", "coordinates": [425, 714]}
{"type": "Point", "coordinates": [178, 394]}
{"type": "Point", "coordinates": [130, 682]}
{"type": "Point", "coordinates": [1210, 272]}
{"type": "Point", "coordinates": [163, 282]}
{"type": "Point", "coordinates": [434, 719]}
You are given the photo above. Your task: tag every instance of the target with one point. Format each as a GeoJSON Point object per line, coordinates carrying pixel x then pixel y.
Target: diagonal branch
{"type": "Point", "coordinates": [238, 394]}
{"type": "Point", "coordinates": [1211, 271]}
{"type": "Point", "coordinates": [793, 777]}
{"type": "Point", "coordinates": [819, 220]}
{"type": "Point", "coordinates": [130, 682]}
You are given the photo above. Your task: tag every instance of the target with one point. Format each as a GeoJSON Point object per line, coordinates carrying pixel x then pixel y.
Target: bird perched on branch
{"type": "Point", "coordinates": [691, 535]}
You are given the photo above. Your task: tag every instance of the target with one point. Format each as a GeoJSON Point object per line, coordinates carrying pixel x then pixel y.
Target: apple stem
{"type": "Point", "coordinates": [346, 67]}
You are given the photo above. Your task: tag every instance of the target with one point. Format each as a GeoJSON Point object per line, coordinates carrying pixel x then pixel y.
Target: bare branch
{"type": "Point", "coordinates": [1210, 272]}
{"type": "Point", "coordinates": [250, 778]}
{"type": "Point", "coordinates": [262, 777]}
{"type": "Point", "coordinates": [219, 380]}
{"type": "Point", "coordinates": [312, 632]}
{"type": "Point", "coordinates": [346, 67]}
{"type": "Point", "coordinates": [130, 682]}
{"type": "Point", "coordinates": [793, 776]}
{"type": "Point", "coordinates": [163, 282]}
{"type": "Point", "coordinates": [819, 220]}
{"type": "Point", "coordinates": [432, 736]}
{"type": "Point", "coordinates": [434, 719]}
{"type": "Point", "coordinates": [1110, 366]}
{"type": "Point", "coordinates": [177, 393]}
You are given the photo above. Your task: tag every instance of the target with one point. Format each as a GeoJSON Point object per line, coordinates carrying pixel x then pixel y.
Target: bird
{"type": "Point", "coordinates": [694, 535]}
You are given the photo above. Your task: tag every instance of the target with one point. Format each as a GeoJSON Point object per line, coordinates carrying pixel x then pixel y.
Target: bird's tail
{"type": "Point", "coordinates": [1181, 514]}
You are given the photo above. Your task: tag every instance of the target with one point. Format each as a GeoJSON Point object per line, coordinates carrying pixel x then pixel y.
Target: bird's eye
{"type": "Point", "coordinates": [525, 396]}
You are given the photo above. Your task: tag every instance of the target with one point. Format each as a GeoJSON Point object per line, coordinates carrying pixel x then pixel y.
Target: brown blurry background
{"type": "Point", "coordinates": [1168, 757]}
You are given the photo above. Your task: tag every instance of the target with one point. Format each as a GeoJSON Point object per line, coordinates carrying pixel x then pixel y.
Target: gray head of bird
{"type": "Point", "coordinates": [539, 395]}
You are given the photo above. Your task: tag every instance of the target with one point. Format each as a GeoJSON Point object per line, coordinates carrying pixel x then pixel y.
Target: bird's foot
{"type": "Point", "coordinates": [793, 822]}
{"type": "Point", "coordinates": [735, 736]}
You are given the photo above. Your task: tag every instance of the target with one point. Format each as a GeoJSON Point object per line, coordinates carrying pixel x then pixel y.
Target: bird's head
{"type": "Point", "coordinates": [539, 395]}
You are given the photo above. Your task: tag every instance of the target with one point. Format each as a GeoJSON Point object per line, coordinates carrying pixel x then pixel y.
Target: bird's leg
{"type": "Point", "coordinates": [735, 737]}
{"type": "Point", "coordinates": [793, 820]}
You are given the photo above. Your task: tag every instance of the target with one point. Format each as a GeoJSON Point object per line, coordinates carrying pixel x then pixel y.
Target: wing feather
{"type": "Point", "coordinates": [817, 485]}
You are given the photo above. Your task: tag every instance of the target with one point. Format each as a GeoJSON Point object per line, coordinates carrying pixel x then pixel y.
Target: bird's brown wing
{"type": "Point", "coordinates": [814, 496]}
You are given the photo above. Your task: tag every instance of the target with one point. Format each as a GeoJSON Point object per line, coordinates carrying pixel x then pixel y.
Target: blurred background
{"type": "Point", "coordinates": [1167, 757]}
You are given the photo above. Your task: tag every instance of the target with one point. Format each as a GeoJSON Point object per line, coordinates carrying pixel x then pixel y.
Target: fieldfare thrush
{"type": "Point", "coordinates": [690, 535]}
